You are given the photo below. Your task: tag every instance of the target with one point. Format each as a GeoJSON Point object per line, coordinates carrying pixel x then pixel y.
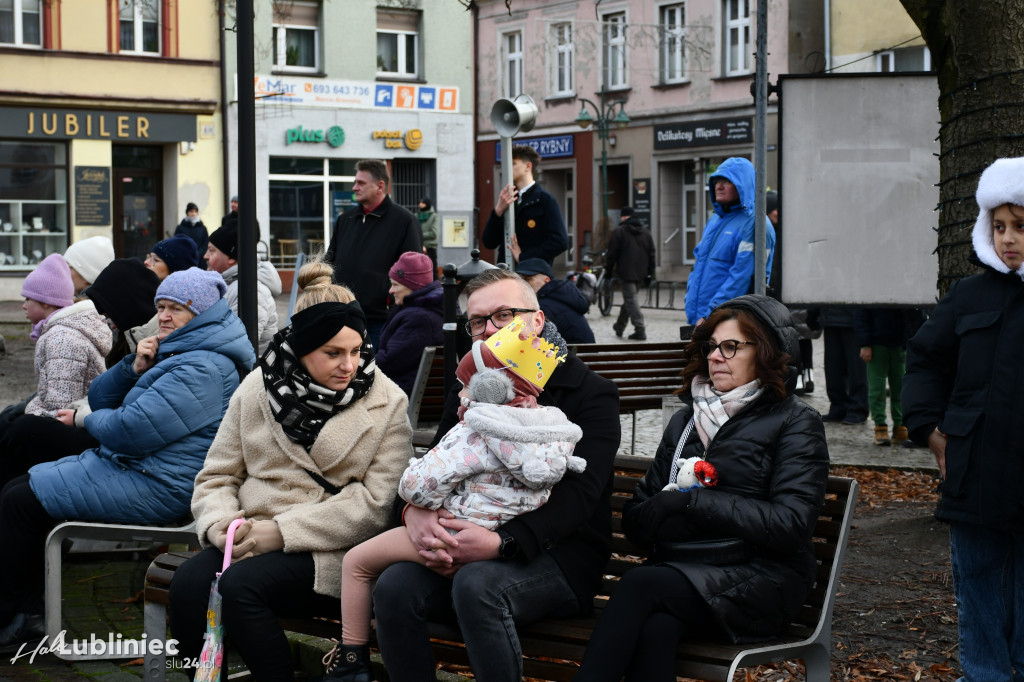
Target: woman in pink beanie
{"type": "Point", "coordinates": [71, 338]}
{"type": "Point", "coordinates": [414, 322]}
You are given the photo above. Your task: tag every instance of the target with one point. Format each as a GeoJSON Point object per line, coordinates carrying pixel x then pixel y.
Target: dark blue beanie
{"type": "Point", "coordinates": [179, 252]}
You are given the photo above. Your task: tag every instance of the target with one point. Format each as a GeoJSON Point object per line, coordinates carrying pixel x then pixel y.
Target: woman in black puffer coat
{"type": "Point", "coordinates": [769, 451]}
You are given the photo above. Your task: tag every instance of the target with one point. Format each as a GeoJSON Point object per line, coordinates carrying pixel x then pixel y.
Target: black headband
{"type": "Point", "coordinates": [318, 324]}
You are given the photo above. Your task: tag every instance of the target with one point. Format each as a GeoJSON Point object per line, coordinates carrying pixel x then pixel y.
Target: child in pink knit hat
{"type": "Point", "coordinates": [71, 338]}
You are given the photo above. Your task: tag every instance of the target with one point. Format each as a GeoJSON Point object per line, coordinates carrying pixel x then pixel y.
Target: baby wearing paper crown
{"type": "Point", "coordinates": [498, 462]}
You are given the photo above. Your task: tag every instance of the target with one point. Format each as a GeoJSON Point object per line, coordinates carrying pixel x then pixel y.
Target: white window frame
{"type": "Point", "coordinates": [402, 45]}
{"type": "Point", "coordinates": [890, 56]}
{"type": "Point", "coordinates": [614, 50]}
{"type": "Point", "coordinates": [563, 59]}
{"type": "Point", "coordinates": [511, 64]}
{"type": "Point", "coordinates": [137, 25]}
{"type": "Point", "coordinates": [672, 50]}
{"type": "Point", "coordinates": [281, 44]}
{"type": "Point", "coordinates": [743, 26]}
{"type": "Point", "coordinates": [18, 11]}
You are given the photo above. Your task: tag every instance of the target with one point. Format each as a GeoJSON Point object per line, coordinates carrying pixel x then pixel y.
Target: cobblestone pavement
{"type": "Point", "coordinates": [102, 593]}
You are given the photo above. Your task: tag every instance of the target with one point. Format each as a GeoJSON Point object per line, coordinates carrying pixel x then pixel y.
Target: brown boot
{"type": "Point", "coordinates": [882, 435]}
{"type": "Point", "coordinates": [899, 434]}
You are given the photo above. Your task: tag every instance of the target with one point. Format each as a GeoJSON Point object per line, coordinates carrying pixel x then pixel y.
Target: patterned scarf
{"type": "Point", "coordinates": [711, 408]}
{"type": "Point", "coordinates": [300, 405]}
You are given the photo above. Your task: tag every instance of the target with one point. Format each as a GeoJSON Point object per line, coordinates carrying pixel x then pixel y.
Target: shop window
{"type": "Point", "coordinates": [21, 22]}
{"type": "Point", "coordinates": [673, 43]}
{"type": "Point", "coordinates": [140, 26]}
{"type": "Point", "coordinates": [512, 63]}
{"type": "Point", "coordinates": [297, 37]}
{"type": "Point", "coordinates": [738, 47]}
{"type": "Point", "coordinates": [33, 203]}
{"type": "Point", "coordinates": [306, 196]}
{"type": "Point", "coordinates": [614, 52]}
{"type": "Point", "coordinates": [562, 60]}
{"type": "Point", "coordinates": [398, 35]}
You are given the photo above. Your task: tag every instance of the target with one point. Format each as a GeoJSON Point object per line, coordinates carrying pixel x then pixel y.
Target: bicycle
{"type": "Point", "coordinates": [594, 284]}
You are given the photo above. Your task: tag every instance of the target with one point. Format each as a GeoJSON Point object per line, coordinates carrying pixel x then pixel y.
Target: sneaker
{"type": "Point", "coordinates": [24, 628]}
{"type": "Point", "coordinates": [618, 332]}
{"type": "Point", "coordinates": [882, 436]}
{"type": "Point", "coordinates": [854, 420]}
{"type": "Point", "coordinates": [899, 435]}
{"type": "Point", "coordinates": [833, 417]}
{"type": "Point", "coordinates": [637, 336]}
{"type": "Point", "coordinates": [347, 663]}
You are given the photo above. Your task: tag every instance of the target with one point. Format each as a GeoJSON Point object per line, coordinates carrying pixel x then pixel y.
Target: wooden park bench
{"type": "Point", "coordinates": [552, 649]}
{"type": "Point", "coordinates": [643, 372]}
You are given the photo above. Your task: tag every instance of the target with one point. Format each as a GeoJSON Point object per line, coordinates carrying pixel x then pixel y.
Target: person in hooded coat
{"type": "Point", "coordinates": [724, 267]}
{"type": "Point", "coordinates": [563, 303]}
{"type": "Point", "coordinates": [415, 320]}
{"type": "Point", "coordinates": [155, 415]}
{"type": "Point", "coordinates": [769, 450]}
{"type": "Point", "coordinates": [960, 397]}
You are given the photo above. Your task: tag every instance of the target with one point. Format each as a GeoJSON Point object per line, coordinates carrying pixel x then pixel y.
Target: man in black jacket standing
{"type": "Point", "coordinates": [368, 239]}
{"type": "Point", "coordinates": [539, 230]}
{"type": "Point", "coordinates": [630, 257]}
{"type": "Point", "coordinates": [547, 562]}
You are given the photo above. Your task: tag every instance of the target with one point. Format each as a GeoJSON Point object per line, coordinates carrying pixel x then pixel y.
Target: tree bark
{"type": "Point", "coordinates": [977, 49]}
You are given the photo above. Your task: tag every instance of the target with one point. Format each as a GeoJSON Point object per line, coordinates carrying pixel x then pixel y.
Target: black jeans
{"type": "Point", "coordinates": [24, 525]}
{"type": "Point", "coordinates": [29, 439]}
{"type": "Point", "coordinates": [255, 592]}
{"type": "Point", "coordinates": [846, 375]}
{"type": "Point", "coordinates": [653, 608]}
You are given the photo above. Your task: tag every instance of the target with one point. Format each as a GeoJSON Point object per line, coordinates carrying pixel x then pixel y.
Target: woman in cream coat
{"type": "Point", "coordinates": [309, 454]}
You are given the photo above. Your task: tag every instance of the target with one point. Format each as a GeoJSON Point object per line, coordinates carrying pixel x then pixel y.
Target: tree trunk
{"type": "Point", "coordinates": [977, 49]}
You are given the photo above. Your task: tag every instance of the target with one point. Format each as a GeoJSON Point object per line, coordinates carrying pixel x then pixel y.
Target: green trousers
{"type": "Point", "coordinates": [887, 363]}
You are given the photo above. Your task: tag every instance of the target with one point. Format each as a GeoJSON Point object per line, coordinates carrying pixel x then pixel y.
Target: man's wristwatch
{"type": "Point", "coordinates": [509, 548]}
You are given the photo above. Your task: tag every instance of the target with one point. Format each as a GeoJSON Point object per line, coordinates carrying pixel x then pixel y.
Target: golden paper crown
{"type": "Point", "coordinates": [532, 358]}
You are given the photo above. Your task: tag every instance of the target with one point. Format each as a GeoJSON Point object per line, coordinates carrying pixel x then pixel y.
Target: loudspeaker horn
{"type": "Point", "coordinates": [513, 116]}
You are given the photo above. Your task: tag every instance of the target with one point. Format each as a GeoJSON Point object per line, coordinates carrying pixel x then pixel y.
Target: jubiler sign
{"type": "Point", "coordinates": [93, 124]}
{"type": "Point", "coordinates": [703, 133]}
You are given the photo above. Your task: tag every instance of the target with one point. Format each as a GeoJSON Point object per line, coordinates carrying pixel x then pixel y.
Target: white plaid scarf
{"type": "Point", "coordinates": [711, 408]}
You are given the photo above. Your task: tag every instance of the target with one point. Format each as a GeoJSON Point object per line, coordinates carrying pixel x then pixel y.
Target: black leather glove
{"type": "Point", "coordinates": [644, 520]}
{"type": "Point", "coordinates": [648, 280]}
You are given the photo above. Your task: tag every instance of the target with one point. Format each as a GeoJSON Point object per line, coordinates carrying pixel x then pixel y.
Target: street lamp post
{"type": "Point", "coordinates": [606, 114]}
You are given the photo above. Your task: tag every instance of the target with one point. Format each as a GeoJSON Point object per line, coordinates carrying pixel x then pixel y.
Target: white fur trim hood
{"type": "Point", "coordinates": [1001, 183]}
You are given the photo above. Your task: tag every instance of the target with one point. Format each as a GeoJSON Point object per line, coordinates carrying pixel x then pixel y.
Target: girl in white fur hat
{"type": "Point", "coordinates": [961, 396]}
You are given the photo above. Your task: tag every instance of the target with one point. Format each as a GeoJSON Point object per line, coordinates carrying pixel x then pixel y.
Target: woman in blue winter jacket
{"type": "Point", "coordinates": [154, 414]}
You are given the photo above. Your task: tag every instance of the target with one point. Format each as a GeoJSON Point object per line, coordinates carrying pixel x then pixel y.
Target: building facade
{"type": "Point", "coordinates": [873, 35]}
{"type": "Point", "coordinates": [341, 81]}
{"type": "Point", "coordinates": [681, 72]}
{"type": "Point", "coordinates": [109, 125]}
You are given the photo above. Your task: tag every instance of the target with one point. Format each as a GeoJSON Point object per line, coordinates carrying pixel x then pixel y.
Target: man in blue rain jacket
{"type": "Point", "coordinates": [724, 267]}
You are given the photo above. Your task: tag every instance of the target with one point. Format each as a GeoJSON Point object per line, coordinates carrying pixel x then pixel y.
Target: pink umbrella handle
{"type": "Point", "coordinates": [229, 543]}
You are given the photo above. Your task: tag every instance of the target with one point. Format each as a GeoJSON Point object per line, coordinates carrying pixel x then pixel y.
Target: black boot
{"type": "Point", "coordinates": [348, 663]}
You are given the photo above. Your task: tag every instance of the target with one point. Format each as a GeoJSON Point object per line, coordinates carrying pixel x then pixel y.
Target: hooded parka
{"type": "Point", "coordinates": [964, 376]}
{"type": "Point", "coordinates": [154, 429]}
{"type": "Point", "coordinates": [724, 267]}
{"type": "Point", "coordinates": [772, 463]}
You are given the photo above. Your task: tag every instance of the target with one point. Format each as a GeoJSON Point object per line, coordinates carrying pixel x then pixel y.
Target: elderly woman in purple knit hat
{"type": "Point", "coordinates": [415, 320]}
